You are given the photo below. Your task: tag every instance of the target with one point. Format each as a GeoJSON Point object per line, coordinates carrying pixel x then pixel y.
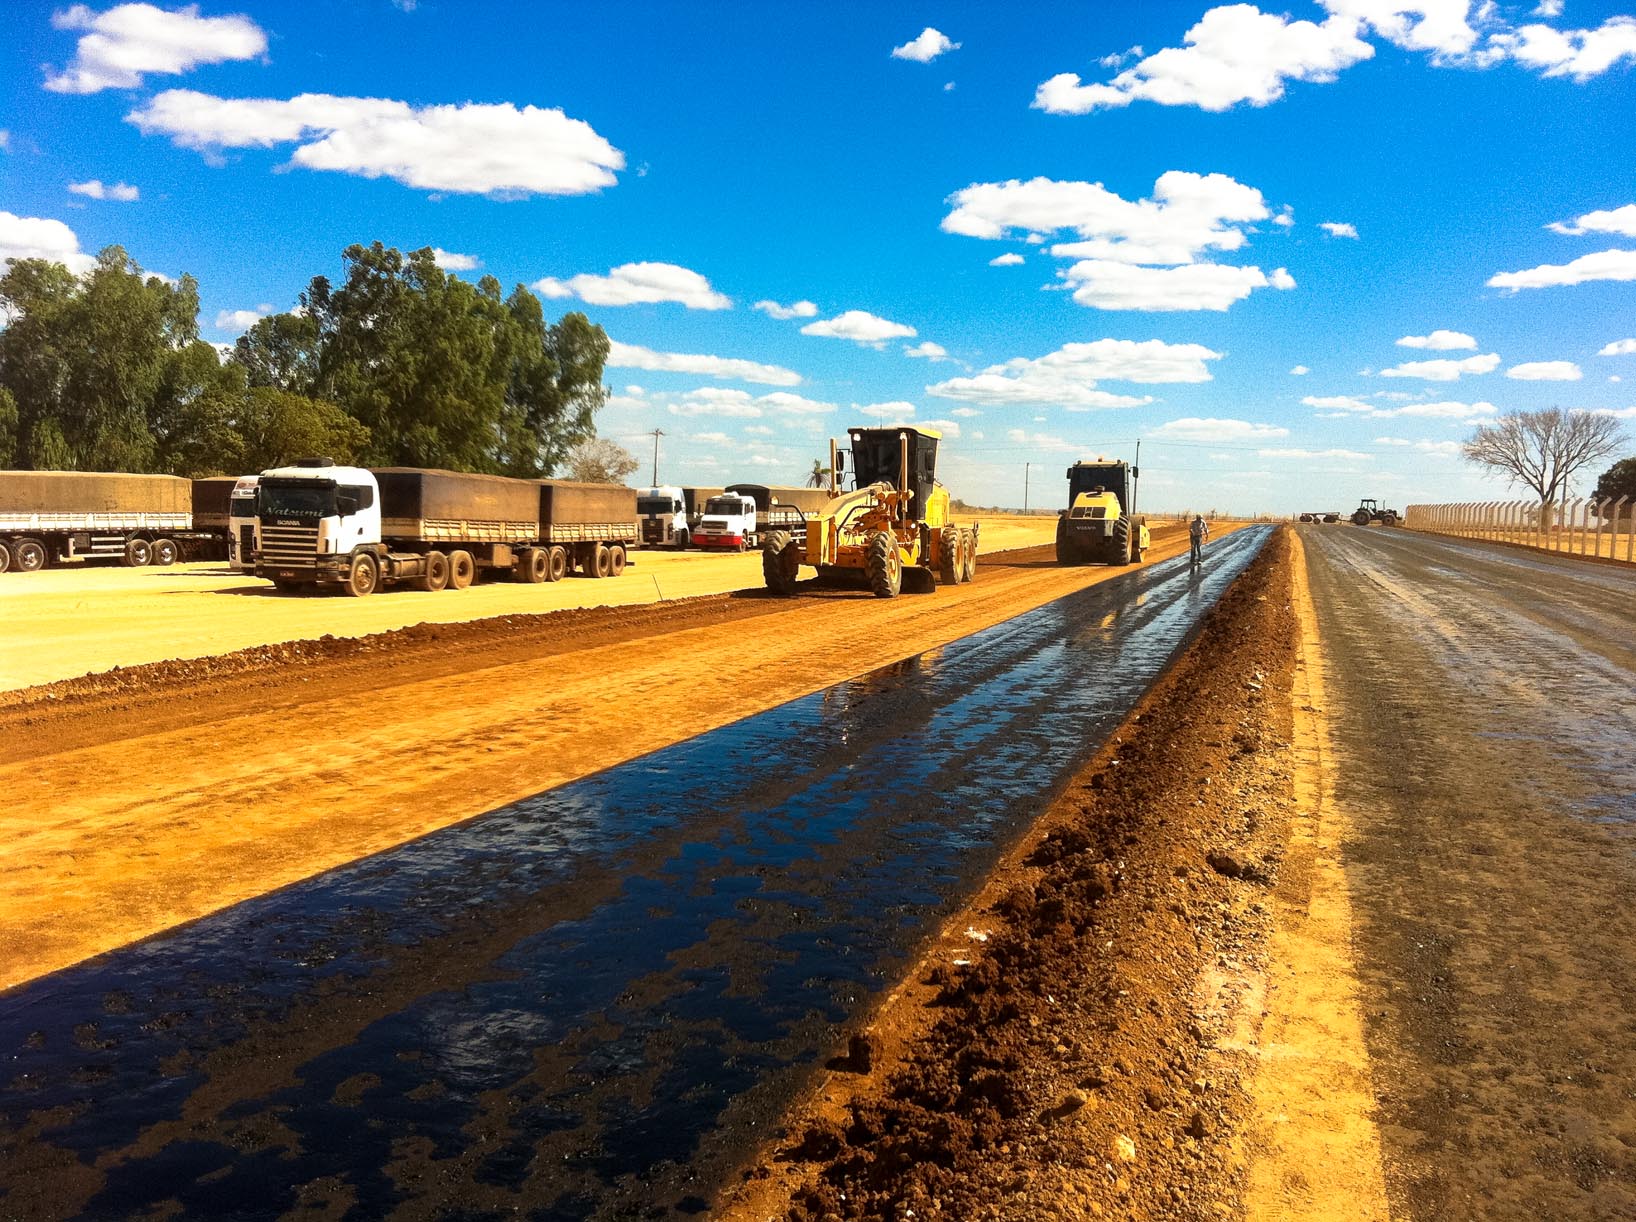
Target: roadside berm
{"type": "Point", "coordinates": [1074, 1043]}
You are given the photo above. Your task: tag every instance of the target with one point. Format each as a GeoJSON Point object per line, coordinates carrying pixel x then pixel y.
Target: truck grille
{"type": "Point", "coordinates": [288, 546]}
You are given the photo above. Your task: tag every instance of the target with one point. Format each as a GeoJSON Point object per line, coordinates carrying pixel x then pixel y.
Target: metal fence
{"type": "Point", "coordinates": [1583, 527]}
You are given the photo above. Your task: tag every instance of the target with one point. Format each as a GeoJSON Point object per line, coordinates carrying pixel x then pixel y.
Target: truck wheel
{"type": "Point", "coordinates": [165, 552]}
{"type": "Point", "coordinates": [616, 560]}
{"type": "Point", "coordinates": [969, 552]}
{"type": "Point", "coordinates": [884, 565]}
{"type": "Point", "coordinates": [529, 566]}
{"type": "Point", "coordinates": [597, 564]}
{"type": "Point", "coordinates": [365, 576]}
{"type": "Point", "coordinates": [951, 568]}
{"type": "Point", "coordinates": [138, 552]}
{"type": "Point", "coordinates": [5, 555]}
{"type": "Point", "coordinates": [462, 570]}
{"type": "Point", "coordinates": [780, 563]}
{"type": "Point", "coordinates": [436, 576]}
{"type": "Point", "coordinates": [556, 564]}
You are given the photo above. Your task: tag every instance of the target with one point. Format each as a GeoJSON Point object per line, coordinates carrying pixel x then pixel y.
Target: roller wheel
{"type": "Point", "coordinates": [1121, 542]}
{"type": "Point", "coordinates": [5, 556]}
{"type": "Point", "coordinates": [1065, 549]}
{"type": "Point", "coordinates": [951, 570]}
{"type": "Point", "coordinates": [556, 564]}
{"type": "Point", "coordinates": [436, 576]}
{"type": "Point", "coordinates": [616, 560]}
{"type": "Point", "coordinates": [884, 565]}
{"type": "Point", "coordinates": [365, 577]}
{"type": "Point", "coordinates": [138, 552]}
{"type": "Point", "coordinates": [970, 553]}
{"type": "Point", "coordinates": [165, 552]}
{"type": "Point", "coordinates": [462, 570]}
{"type": "Point", "coordinates": [780, 562]}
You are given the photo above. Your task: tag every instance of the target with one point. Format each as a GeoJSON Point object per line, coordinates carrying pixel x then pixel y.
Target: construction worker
{"type": "Point", "coordinates": [1198, 530]}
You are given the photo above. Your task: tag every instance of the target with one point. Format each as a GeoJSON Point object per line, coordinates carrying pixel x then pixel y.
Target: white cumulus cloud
{"type": "Point", "coordinates": [237, 320]}
{"type": "Point", "coordinates": [1604, 265]}
{"type": "Point", "coordinates": [1579, 54]}
{"type": "Point", "coordinates": [1444, 369]}
{"type": "Point", "coordinates": [796, 309]}
{"type": "Point", "coordinates": [1211, 428]}
{"type": "Point", "coordinates": [925, 46]}
{"type": "Point", "coordinates": [638, 283]}
{"type": "Point", "coordinates": [1545, 371]}
{"type": "Point", "coordinates": [633, 356]}
{"type": "Point", "coordinates": [1069, 377]}
{"type": "Point", "coordinates": [1438, 26]}
{"type": "Point", "coordinates": [1010, 259]}
{"type": "Point", "coordinates": [1447, 449]}
{"type": "Point", "coordinates": [1617, 220]}
{"type": "Point", "coordinates": [896, 410]}
{"type": "Point", "coordinates": [861, 327]}
{"type": "Point", "coordinates": [1341, 403]}
{"type": "Point", "coordinates": [122, 44]}
{"type": "Point", "coordinates": [1339, 229]}
{"type": "Point", "coordinates": [928, 350]}
{"type": "Point", "coordinates": [1235, 53]}
{"type": "Point", "coordinates": [1300, 371]}
{"type": "Point", "coordinates": [1439, 341]}
{"type": "Point", "coordinates": [1105, 285]}
{"type": "Point", "coordinates": [471, 148]}
{"type": "Point", "coordinates": [1619, 347]}
{"type": "Point", "coordinates": [1353, 455]}
{"type": "Point", "coordinates": [449, 261]}
{"type": "Point", "coordinates": [38, 237]}
{"type": "Point", "coordinates": [96, 189]}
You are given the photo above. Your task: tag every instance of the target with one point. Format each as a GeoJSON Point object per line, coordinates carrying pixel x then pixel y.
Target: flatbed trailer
{"type": "Point", "coordinates": [51, 516]}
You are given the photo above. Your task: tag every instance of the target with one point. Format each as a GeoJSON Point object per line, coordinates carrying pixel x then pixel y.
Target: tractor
{"type": "Point", "coordinates": [892, 530]}
{"type": "Point", "coordinates": [1369, 510]}
{"type": "Point", "coordinates": [1099, 523]}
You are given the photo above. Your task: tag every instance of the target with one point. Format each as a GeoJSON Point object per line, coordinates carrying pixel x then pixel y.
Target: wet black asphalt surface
{"type": "Point", "coordinates": [1483, 708]}
{"type": "Point", "coordinates": [589, 1004]}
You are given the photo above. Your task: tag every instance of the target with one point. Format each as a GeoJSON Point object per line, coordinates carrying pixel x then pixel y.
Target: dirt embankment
{"type": "Point", "coordinates": [1071, 1047]}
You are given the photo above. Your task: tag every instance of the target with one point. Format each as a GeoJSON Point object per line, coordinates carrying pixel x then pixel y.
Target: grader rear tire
{"type": "Point", "coordinates": [884, 565]}
{"type": "Point", "coordinates": [780, 563]}
{"type": "Point", "coordinates": [951, 570]}
{"type": "Point", "coordinates": [969, 552]}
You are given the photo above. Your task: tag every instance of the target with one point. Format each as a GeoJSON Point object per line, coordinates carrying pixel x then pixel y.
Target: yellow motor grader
{"type": "Point", "coordinates": [892, 530]}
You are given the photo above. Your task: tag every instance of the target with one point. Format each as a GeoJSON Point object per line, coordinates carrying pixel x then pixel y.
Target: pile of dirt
{"type": "Point", "coordinates": [1055, 1056]}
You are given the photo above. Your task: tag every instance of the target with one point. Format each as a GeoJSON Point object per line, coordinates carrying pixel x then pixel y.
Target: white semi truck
{"type": "Point", "coordinates": [663, 511]}
{"type": "Point", "coordinates": [728, 523]}
{"type": "Point", "coordinates": [363, 529]}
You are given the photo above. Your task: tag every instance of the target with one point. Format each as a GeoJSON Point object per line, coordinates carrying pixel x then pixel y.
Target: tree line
{"type": "Point", "coordinates": [400, 364]}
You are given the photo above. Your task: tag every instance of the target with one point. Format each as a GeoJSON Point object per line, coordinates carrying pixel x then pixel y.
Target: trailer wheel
{"type": "Point", "coordinates": [436, 576]}
{"type": "Point", "coordinates": [462, 570]}
{"type": "Point", "coordinates": [616, 560]}
{"type": "Point", "coordinates": [165, 552]}
{"type": "Point", "coordinates": [529, 566]}
{"type": "Point", "coordinates": [597, 566]}
{"type": "Point", "coordinates": [138, 552]}
{"type": "Point", "coordinates": [951, 568]}
{"type": "Point", "coordinates": [556, 564]}
{"type": "Point", "coordinates": [884, 565]}
{"type": "Point", "coordinates": [5, 555]}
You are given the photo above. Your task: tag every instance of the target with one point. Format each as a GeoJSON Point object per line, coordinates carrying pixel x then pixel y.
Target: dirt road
{"type": "Point", "coordinates": [140, 800]}
{"type": "Point", "coordinates": [81, 618]}
{"type": "Point", "coordinates": [1483, 706]}
{"type": "Point", "coordinates": [585, 1001]}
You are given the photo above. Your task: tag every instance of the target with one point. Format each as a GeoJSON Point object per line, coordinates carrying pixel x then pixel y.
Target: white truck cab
{"type": "Point", "coordinates": [728, 522]}
{"type": "Point", "coordinates": [243, 528]}
{"type": "Point", "coordinates": [313, 517]}
{"type": "Point", "coordinates": [663, 513]}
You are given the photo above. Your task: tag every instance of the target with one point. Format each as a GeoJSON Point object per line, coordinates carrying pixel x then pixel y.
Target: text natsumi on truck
{"type": "Point", "coordinates": [663, 513]}
{"type": "Point", "coordinates": [49, 516]}
{"type": "Point", "coordinates": [326, 525]}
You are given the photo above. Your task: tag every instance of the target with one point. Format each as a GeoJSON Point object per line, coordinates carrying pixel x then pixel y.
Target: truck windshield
{"type": "Point", "coordinates": [243, 505]}
{"type": "Point", "coordinates": [727, 506]}
{"type": "Point", "coordinates": [653, 505]}
{"type": "Point", "coordinates": [310, 500]}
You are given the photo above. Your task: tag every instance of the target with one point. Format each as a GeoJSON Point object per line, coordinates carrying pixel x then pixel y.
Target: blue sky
{"type": "Point", "coordinates": [1177, 187]}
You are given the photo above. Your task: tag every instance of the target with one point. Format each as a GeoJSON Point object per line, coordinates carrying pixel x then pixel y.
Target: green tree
{"type": "Point", "coordinates": [280, 351]}
{"type": "Point", "coordinates": [8, 428]}
{"type": "Point", "coordinates": [1618, 481]}
{"type": "Point", "coordinates": [600, 461]}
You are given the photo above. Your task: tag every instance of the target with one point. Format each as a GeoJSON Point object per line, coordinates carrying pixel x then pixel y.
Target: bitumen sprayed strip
{"type": "Point", "coordinates": [590, 1001]}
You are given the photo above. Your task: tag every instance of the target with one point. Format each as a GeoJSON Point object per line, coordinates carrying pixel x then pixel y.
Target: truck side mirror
{"type": "Point", "coordinates": [346, 506]}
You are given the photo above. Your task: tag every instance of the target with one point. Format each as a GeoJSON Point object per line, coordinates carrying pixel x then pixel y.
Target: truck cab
{"type": "Point", "coordinates": [663, 515]}
{"type": "Point", "coordinates": [312, 517]}
{"type": "Point", "coordinates": [242, 525]}
{"type": "Point", "coordinates": [728, 522]}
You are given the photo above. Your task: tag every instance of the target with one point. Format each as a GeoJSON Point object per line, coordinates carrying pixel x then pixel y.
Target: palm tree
{"type": "Point", "coordinates": [820, 474]}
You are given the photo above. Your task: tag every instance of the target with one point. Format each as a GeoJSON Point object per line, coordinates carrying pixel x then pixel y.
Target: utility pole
{"type": "Point", "coordinates": [1025, 486]}
{"type": "Point", "coordinates": [657, 433]}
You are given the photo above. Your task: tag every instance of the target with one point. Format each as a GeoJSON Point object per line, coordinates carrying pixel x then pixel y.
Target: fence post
{"type": "Point", "coordinates": [1597, 546]}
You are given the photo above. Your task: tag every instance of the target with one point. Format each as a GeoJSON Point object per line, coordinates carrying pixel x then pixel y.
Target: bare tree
{"type": "Point", "coordinates": [1544, 450]}
{"type": "Point", "coordinates": [597, 460]}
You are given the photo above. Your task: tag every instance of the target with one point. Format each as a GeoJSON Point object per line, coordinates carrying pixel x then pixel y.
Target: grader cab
{"type": "Point", "coordinates": [892, 531]}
